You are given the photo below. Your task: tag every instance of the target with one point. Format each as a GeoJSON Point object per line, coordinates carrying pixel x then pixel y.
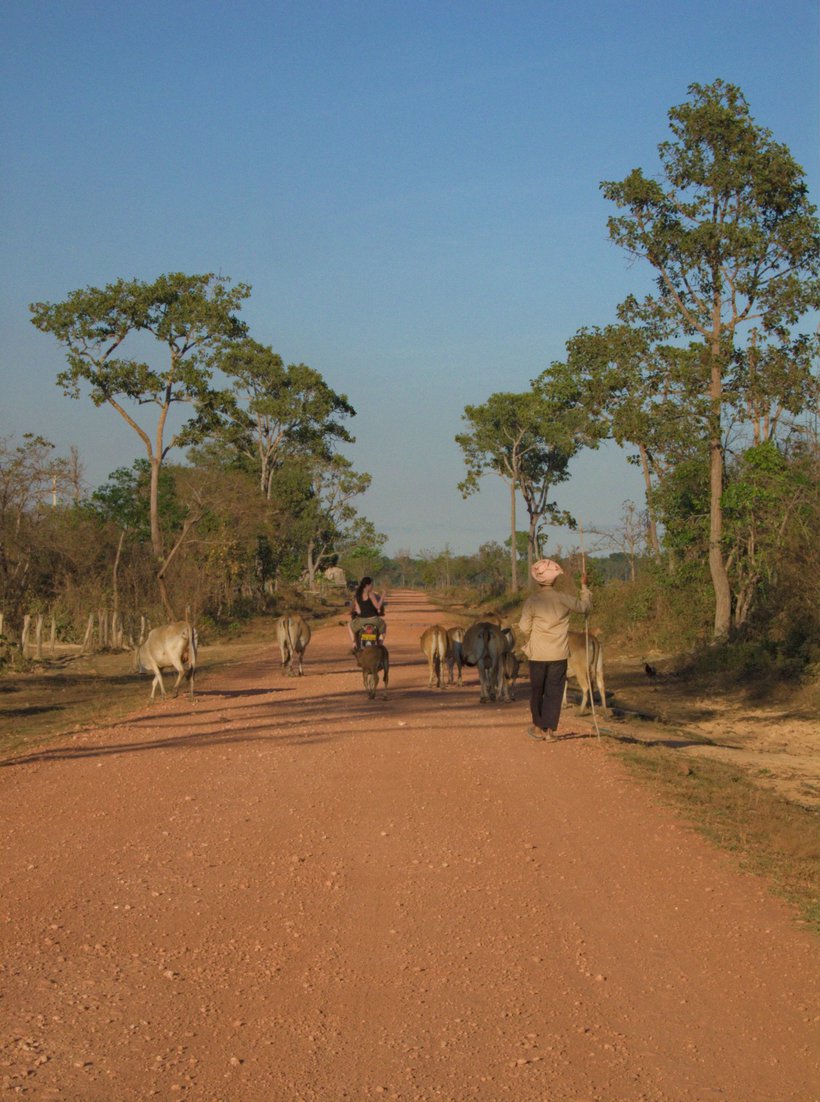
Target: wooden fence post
{"type": "Point", "coordinates": [89, 635]}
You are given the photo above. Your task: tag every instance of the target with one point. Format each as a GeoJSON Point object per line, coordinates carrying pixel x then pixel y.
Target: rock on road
{"type": "Point", "coordinates": [289, 893]}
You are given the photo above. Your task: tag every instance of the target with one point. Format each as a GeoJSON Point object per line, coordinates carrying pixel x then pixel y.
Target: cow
{"type": "Point", "coordinates": [293, 636]}
{"type": "Point", "coordinates": [435, 645]}
{"type": "Point", "coordinates": [587, 669]}
{"type": "Point", "coordinates": [511, 664]}
{"type": "Point", "coordinates": [371, 660]}
{"type": "Point", "coordinates": [455, 657]}
{"type": "Point", "coordinates": [172, 646]}
{"type": "Point", "coordinates": [484, 648]}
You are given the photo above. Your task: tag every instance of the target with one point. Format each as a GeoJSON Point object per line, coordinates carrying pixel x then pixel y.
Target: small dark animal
{"type": "Point", "coordinates": [651, 672]}
{"type": "Point", "coordinates": [371, 660]}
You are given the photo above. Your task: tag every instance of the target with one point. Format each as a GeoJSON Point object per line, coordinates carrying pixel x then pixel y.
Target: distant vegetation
{"type": "Point", "coordinates": [709, 383]}
{"type": "Point", "coordinates": [243, 488]}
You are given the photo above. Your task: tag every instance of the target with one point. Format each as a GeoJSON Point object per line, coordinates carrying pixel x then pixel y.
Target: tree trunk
{"type": "Point", "coordinates": [717, 566]}
{"type": "Point", "coordinates": [156, 532]}
{"type": "Point", "coordinates": [311, 567]}
{"type": "Point", "coordinates": [533, 550]}
{"type": "Point", "coordinates": [115, 594]}
{"type": "Point", "coordinates": [652, 524]}
{"type": "Point", "coordinates": [513, 548]}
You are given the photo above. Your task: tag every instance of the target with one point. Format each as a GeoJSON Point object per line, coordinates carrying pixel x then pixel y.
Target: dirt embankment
{"type": "Point", "coordinates": [288, 892]}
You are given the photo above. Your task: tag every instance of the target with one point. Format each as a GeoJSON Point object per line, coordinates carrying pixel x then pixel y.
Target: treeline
{"type": "Point", "coordinates": [66, 551]}
{"type": "Point", "coordinates": [260, 494]}
{"type": "Point", "coordinates": [708, 383]}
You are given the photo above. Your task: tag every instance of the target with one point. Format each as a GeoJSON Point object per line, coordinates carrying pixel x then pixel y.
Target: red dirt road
{"type": "Point", "coordinates": [289, 893]}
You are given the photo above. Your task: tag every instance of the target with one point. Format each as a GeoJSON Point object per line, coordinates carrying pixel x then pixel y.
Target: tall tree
{"type": "Point", "coordinates": [190, 316]}
{"type": "Point", "coordinates": [528, 440]}
{"type": "Point", "coordinates": [496, 441]}
{"type": "Point", "coordinates": [734, 241]}
{"type": "Point", "coordinates": [329, 518]}
{"type": "Point", "coordinates": [642, 392]}
{"type": "Point", "coordinates": [31, 476]}
{"type": "Point", "coordinates": [280, 410]}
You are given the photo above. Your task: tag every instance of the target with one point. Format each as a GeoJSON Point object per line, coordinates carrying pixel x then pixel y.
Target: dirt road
{"type": "Point", "coordinates": [289, 893]}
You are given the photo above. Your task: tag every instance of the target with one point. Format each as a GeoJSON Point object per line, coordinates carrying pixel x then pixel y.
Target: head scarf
{"type": "Point", "coordinates": [545, 571]}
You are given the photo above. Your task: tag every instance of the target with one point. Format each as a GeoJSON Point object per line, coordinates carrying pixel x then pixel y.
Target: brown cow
{"type": "Point", "coordinates": [510, 662]}
{"type": "Point", "coordinates": [587, 669]}
{"type": "Point", "coordinates": [455, 656]}
{"type": "Point", "coordinates": [435, 645]}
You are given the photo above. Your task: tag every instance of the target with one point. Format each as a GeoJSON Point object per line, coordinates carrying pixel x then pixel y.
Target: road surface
{"type": "Point", "coordinates": [289, 893]}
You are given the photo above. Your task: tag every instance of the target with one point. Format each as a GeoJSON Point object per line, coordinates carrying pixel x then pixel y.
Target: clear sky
{"type": "Point", "coordinates": [411, 187]}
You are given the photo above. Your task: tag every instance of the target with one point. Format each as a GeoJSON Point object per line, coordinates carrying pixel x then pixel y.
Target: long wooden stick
{"type": "Point", "coordinates": [586, 637]}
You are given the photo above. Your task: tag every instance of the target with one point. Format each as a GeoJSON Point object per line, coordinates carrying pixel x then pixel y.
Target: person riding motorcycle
{"type": "Point", "coordinates": [366, 610]}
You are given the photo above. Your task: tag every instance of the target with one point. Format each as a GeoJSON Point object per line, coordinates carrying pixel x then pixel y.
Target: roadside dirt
{"type": "Point", "coordinates": [286, 892]}
{"type": "Point", "coordinates": [776, 743]}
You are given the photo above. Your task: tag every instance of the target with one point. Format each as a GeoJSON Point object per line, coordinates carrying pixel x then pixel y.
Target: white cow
{"type": "Point", "coordinates": [172, 646]}
{"type": "Point", "coordinates": [293, 636]}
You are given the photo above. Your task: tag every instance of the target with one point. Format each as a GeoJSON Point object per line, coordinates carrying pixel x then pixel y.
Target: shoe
{"type": "Point", "coordinates": [549, 736]}
{"type": "Point", "coordinates": [534, 733]}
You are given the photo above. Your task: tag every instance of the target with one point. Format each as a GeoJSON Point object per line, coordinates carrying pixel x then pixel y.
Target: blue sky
{"type": "Point", "coordinates": [410, 188]}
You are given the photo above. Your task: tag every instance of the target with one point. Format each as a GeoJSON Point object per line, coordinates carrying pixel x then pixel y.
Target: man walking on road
{"type": "Point", "coordinates": [545, 625]}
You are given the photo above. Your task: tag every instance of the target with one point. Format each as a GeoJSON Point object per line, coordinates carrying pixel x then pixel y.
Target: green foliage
{"type": "Point", "coordinates": [735, 243]}
{"type": "Point", "coordinates": [278, 412]}
{"type": "Point", "coordinates": [528, 440]}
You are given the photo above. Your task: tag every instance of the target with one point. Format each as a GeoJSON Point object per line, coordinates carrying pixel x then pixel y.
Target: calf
{"type": "Point", "coordinates": [455, 656]}
{"type": "Point", "coordinates": [172, 646]}
{"type": "Point", "coordinates": [587, 668]}
{"type": "Point", "coordinates": [435, 645]}
{"type": "Point", "coordinates": [293, 636]}
{"type": "Point", "coordinates": [371, 660]}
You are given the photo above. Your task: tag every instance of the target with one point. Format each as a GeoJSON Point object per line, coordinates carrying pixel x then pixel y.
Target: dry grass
{"type": "Point", "coordinates": [769, 835]}
{"type": "Point", "coordinates": [60, 696]}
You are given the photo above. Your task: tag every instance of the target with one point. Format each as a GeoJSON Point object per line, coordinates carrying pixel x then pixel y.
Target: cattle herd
{"type": "Point", "coordinates": [487, 646]}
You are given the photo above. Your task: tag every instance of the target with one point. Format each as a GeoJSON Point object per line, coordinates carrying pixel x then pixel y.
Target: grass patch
{"type": "Point", "coordinates": [52, 699]}
{"type": "Point", "coordinates": [769, 835]}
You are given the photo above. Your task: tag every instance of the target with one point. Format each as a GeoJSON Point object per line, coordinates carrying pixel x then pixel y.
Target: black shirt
{"type": "Point", "coordinates": [367, 608]}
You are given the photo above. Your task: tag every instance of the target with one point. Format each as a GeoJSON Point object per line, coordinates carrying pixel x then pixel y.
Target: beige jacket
{"type": "Point", "coordinates": [545, 622]}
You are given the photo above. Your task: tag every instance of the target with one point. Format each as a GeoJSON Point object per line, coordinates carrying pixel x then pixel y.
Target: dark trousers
{"type": "Point", "coordinates": [547, 681]}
